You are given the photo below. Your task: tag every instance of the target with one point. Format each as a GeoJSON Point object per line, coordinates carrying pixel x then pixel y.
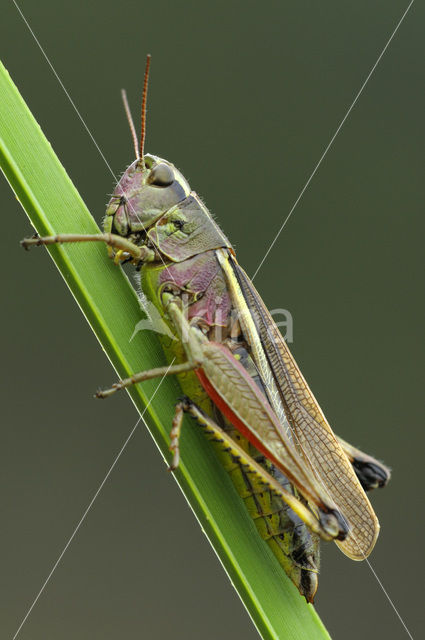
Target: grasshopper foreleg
{"type": "Point", "coordinates": [139, 254]}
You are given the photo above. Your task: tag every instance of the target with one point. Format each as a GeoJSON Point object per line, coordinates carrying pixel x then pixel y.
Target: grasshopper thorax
{"type": "Point", "coordinates": [145, 192]}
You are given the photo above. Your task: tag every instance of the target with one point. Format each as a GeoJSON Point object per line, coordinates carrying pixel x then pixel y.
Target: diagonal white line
{"type": "Point", "coordinates": [83, 517]}
{"type": "Point", "coordinates": [144, 411]}
{"type": "Point", "coordinates": [286, 220]}
{"type": "Point", "coordinates": [389, 599]}
{"type": "Point", "coordinates": [64, 89]}
{"type": "Point", "coordinates": [257, 270]}
{"type": "Point", "coordinates": [332, 140]}
{"type": "Point", "coordinates": [318, 478]}
{"type": "Point", "coordinates": [295, 437]}
{"type": "Point", "coordinates": [81, 119]}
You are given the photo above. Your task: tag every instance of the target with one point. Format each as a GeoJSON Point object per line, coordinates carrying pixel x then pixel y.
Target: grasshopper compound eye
{"type": "Point", "coordinates": [161, 175]}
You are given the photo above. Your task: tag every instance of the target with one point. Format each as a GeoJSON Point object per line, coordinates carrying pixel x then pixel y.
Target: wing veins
{"type": "Point", "coordinates": [314, 436]}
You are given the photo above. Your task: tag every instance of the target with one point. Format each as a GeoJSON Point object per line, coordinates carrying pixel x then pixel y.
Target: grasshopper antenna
{"type": "Point", "coordinates": [130, 122]}
{"type": "Point", "coordinates": [145, 93]}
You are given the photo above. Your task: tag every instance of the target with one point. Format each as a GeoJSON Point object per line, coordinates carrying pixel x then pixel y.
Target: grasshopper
{"type": "Point", "coordinates": [299, 481]}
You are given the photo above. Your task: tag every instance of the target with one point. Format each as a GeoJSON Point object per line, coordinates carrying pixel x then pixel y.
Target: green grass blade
{"type": "Point", "coordinates": [111, 307]}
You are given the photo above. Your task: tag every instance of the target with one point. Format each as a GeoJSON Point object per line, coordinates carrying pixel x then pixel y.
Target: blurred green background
{"type": "Point", "coordinates": [243, 99]}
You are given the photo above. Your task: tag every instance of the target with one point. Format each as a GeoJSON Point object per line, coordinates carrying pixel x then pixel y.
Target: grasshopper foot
{"type": "Point", "coordinates": [105, 393]}
{"type": "Point", "coordinates": [27, 243]}
{"type": "Point", "coordinates": [176, 458]}
{"type": "Point", "coordinates": [173, 466]}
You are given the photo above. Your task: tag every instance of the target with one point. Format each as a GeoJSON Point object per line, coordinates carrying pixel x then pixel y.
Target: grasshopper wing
{"type": "Point", "coordinates": [310, 431]}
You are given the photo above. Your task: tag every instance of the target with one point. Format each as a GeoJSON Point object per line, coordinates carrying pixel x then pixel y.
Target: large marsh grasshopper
{"type": "Point", "coordinates": [299, 481]}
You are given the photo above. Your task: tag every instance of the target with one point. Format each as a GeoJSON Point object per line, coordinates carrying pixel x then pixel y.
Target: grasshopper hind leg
{"type": "Point", "coordinates": [296, 548]}
{"type": "Point", "coordinates": [317, 524]}
{"type": "Point", "coordinates": [371, 473]}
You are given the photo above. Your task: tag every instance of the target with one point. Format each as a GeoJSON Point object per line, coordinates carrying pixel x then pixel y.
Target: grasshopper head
{"type": "Point", "coordinates": [145, 192]}
{"type": "Point", "coordinates": [148, 188]}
